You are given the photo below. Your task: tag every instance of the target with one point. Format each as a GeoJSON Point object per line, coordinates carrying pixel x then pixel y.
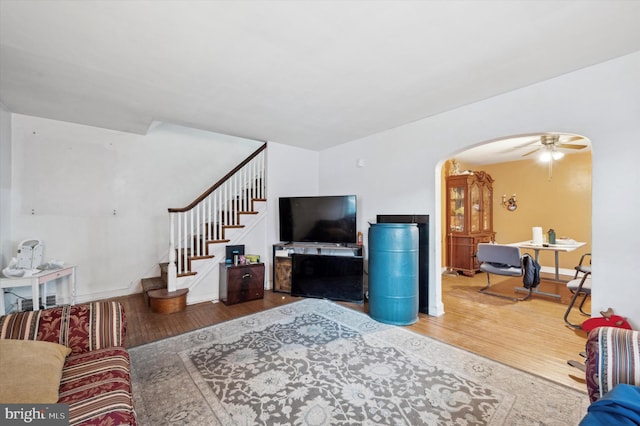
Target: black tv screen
{"type": "Point", "coordinates": [327, 277]}
{"type": "Point", "coordinates": [322, 219]}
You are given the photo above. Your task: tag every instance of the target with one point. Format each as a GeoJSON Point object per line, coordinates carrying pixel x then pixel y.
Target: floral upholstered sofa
{"type": "Point", "coordinates": [71, 355]}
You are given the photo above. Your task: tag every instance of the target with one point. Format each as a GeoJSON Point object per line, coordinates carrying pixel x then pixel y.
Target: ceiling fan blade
{"type": "Point", "coordinates": [523, 145]}
{"type": "Point", "coordinates": [531, 142]}
{"type": "Point", "coordinates": [566, 146]}
{"type": "Point", "coordinates": [573, 139]}
{"type": "Point", "coordinates": [531, 152]}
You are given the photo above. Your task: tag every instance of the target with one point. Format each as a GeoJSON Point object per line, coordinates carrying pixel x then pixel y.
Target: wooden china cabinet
{"type": "Point", "coordinates": [469, 212]}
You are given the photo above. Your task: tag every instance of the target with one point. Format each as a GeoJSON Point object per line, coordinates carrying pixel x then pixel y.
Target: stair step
{"type": "Point", "coordinates": [203, 256]}
{"type": "Point", "coordinates": [168, 302]}
{"type": "Point", "coordinates": [149, 284]}
{"type": "Point", "coordinates": [164, 268]}
{"type": "Point", "coordinates": [152, 283]}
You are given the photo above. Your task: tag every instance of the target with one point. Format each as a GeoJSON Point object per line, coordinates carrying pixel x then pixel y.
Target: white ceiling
{"type": "Point", "coordinates": [312, 74]}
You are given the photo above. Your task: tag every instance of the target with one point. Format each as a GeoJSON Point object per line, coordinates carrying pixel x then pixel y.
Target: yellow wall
{"type": "Point", "coordinates": [562, 203]}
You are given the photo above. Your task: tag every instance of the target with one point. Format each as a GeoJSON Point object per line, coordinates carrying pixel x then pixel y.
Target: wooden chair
{"type": "Point", "coordinates": [503, 260]}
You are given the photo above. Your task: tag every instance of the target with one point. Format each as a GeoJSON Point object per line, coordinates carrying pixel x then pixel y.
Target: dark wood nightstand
{"type": "Point", "coordinates": [241, 283]}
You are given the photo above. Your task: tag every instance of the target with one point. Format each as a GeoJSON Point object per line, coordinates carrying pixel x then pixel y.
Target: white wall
{"type": "Point", "coordinates": [73, 177]}
{"type": "Point", "coordinates": [401, 173]}
{"type": "Point", "coordinates": [291, 172]}
{"type": "Point", "coordinates": [68, 179]}
{"type": "Point", "coordinates": [5, 185]}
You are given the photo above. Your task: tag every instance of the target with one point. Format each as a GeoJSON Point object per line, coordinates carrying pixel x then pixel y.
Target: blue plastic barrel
{"type": "Point", "coordinates": [393, 273]}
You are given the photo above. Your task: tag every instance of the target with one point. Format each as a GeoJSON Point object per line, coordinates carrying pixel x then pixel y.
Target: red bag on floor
{"type": "Point", "coordinates": [612, 321]}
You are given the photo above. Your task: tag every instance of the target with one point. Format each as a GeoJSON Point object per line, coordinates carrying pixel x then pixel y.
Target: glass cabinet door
{"type": "Point", "coordinates": [456, 209]}
{"type": "Point", "coordinates": [475, 207]}
{"type": "Point", "coordinates": [486, 210]}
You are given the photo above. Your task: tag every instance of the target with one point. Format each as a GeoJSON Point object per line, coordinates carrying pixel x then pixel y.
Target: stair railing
{"type": "Point", "coordinates": [203, 221]}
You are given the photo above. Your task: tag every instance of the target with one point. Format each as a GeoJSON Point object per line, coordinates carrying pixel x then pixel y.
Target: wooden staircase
{"type": "Point", "coordinates": [197, 230]}
{"type": "Point", "coordinates": [158, 297]}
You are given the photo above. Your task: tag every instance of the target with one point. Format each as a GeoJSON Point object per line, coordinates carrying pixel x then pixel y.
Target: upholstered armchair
{"type": "Point", "coordinates": [613, 357]}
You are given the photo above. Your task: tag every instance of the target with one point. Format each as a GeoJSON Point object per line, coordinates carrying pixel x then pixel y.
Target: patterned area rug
{"type": "Point", "coordinates": [315, 362]}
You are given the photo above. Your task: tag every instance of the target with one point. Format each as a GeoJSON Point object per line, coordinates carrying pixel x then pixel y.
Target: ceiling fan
{"type": "Point", "coordinates": [550, 146]}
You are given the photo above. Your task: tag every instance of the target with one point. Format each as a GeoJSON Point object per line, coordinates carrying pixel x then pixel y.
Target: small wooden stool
{"type": "Point", "coordinates": [163, 301]}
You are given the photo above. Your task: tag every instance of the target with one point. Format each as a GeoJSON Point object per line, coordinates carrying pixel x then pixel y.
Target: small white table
{"type": "Point", "coordinates": [42, 278]}
{"type": "Point", "coordinates": [556, 248]}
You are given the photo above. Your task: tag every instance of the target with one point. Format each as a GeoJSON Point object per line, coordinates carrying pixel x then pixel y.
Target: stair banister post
{"type": "Point", "coordinates": [172, 272]}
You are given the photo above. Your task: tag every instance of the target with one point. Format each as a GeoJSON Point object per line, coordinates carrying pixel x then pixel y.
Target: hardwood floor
{"type": "Point", "coordinates": [528, 335]}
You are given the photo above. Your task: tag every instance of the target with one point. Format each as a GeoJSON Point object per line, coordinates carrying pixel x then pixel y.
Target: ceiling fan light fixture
{"type": "Point", "coordinates": [550, 154]}
{"type": "Point", "coordinates": [548, 148]}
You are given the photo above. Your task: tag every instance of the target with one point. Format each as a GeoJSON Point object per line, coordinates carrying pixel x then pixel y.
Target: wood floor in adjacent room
{"type": "Point", "coordinates": [528, 335]}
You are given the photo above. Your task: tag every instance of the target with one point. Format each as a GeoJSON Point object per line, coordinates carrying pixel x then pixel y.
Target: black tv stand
{"type": "Point", "coordinates": [325, 270]}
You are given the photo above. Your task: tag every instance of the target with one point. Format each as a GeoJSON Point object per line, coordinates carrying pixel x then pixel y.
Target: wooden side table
{"type": "Point", "coordinates": [241, 283]}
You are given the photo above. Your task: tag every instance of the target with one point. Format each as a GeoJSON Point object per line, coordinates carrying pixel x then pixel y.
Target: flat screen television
{"type": "Point", "coordinates": [321, 219]}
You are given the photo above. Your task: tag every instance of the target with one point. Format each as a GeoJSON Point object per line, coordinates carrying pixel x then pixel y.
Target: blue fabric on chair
{"type": "Point", "coordinates": [620, 407]}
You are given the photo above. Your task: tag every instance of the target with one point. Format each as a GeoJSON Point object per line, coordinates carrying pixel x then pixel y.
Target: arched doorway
{"type": "Point", "coordinates": [549, 195]}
